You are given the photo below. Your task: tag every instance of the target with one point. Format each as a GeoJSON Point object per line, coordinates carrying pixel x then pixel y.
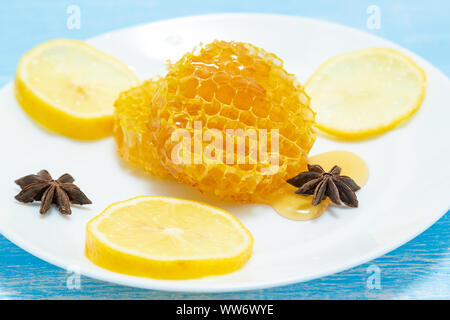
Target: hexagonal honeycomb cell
{"type": "Point", "coordinates": [227, 86]}
{"type": "Point", "coordinates": [131, 131]}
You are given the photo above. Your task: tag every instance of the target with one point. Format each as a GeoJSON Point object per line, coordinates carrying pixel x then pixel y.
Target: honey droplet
{"type": "Point", "coordinates": [295, 207]}
{"type": "Point", "coordinates": [352, 165]}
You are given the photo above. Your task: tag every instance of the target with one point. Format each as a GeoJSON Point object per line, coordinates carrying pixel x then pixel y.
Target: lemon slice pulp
{"type": "Point", "coordinates": [364, 93]}
{"type": "Point", "coordinates": [167, 238]}
{"type": "Point", "coordinates": [70, 87]}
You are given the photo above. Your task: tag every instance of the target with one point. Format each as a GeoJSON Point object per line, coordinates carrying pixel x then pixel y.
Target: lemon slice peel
{"type": "Point", "coordinates": [119, 258]}
{"type": "Point", "coordinates": [330, 127]}
{"type": "Point", "coordinates": [69, 87]}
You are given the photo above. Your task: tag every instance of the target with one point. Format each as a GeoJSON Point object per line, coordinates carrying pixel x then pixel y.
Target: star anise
{"type": "Point", "coordinates": [42, 187]}
{"type": "Point", "coordinates": [339, 189]}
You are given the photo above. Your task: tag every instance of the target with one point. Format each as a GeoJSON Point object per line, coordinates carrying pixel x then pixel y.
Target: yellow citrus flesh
{"type": "Point", "coordinates": [69, 88]}
{"type": "Point", "coordinates": [131, 131]}
{"type": "Point", "coordinates": [232, 85]}
{"type": "Point", "coordinates": [365, 93]}
{"type": "Point", "coordinates": [167, 238]}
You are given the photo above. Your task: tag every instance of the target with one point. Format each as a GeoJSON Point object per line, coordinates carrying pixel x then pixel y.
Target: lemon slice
{"type": "Point", "coordinates": [364, 93]}
{"type": "Point", "coordinates": [69, 88]}
{"type": "Point", "coordinates": [167, 238]}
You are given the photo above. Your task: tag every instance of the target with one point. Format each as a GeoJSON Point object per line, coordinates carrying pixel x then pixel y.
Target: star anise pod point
{"type": "Point", "coordinates": [321, 184]}
{"type": "Point", "coordinates": [41, 187]}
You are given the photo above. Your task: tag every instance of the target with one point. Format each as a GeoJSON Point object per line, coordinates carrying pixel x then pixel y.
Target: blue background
{"type": "Point", "coordinates": [419, 269]}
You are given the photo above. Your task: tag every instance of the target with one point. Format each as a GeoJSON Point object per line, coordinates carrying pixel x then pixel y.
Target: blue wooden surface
{"type": "Point", "coordinates": [419, 269]}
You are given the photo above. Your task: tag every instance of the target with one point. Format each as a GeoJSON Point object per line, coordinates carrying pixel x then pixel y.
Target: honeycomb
{"type": "Point", "coordinates": [230, 85]}
{"type": "Point", "coordinates": [131, 117]}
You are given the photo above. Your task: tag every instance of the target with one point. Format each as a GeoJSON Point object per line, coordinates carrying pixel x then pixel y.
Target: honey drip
{"type": "Point", "coordinates": [292, 206]}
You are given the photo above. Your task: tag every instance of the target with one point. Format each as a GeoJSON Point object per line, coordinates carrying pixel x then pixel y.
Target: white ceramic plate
{"type": "Point", "coordinates": [407, 191]}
